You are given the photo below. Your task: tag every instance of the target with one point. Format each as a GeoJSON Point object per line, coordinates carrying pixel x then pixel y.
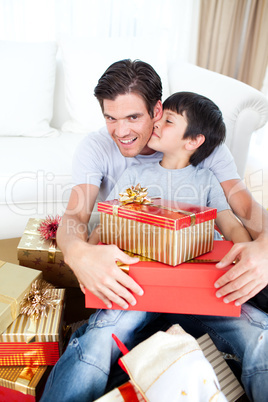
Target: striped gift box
{"type": "Point", "coordinates": [166, 231]}
{"type": "Point", "coordinates": [20, 346]}
{"type": "Point", "coordinates": [19, 383]}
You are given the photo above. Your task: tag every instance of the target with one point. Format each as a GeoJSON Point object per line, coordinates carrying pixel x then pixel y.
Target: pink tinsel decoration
{"type": "Point", "coordinates": [48, 228]}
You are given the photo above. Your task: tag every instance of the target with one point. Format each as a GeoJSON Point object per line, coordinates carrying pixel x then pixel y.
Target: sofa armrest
{"type": "Point", "coordinates": [244, 108]}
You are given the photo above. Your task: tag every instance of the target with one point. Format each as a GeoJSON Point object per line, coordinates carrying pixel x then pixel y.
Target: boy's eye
{"type": "Point", "coordinates": [168, 121]}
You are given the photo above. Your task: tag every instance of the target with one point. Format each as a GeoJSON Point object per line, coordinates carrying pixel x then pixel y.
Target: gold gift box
{"type": "Point", "coordinates": [17, 383]}
{"type": "Point", "coordinates": [26, 340]}
{"type": "Point", "coordinates": [15, 282]}
{"type": "Point", "coordinates": [47, 328]}
{"type": "Point", "coordinates": [165, 231]}
{"type": "Point", "coordinates": [44, 255]}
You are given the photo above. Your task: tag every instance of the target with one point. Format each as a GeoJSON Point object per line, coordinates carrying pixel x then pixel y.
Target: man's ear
{"type": "Point", "coordinates": [195, 143]}
{"type": "Point", "coordinates": [158, 111]}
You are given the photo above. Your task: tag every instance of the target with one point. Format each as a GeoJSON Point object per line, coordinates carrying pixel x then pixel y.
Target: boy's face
{"type": "Point", "coordinates": [168, 133]}
{"type": "Point", "coordinates": [130, 124]}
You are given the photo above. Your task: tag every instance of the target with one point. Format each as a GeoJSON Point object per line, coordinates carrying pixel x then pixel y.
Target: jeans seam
{"type": "Point", "coordinates": [81, 358]}
{"type": "Point", "coordinates": [95, 322]}
{"type": "Point", "coordinates": [216, 335]}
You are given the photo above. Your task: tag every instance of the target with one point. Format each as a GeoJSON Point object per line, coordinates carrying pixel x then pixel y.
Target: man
{"type": "Point", "coordinates": [129, 120]}
{"type": "Point", "coordinates": [129, 94]}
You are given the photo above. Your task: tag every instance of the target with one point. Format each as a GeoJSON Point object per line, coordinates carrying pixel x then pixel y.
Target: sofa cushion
{"type": "Point", "coordinates": [27, 79]}
{"type": "Point", "coordinates": [84, 61]}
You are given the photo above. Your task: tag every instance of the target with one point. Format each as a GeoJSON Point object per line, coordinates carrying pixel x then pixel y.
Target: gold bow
{"type": "Point", "coordinates": [135, 194]}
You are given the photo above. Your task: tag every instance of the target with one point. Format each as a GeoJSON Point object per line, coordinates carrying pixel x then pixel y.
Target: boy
{"type": "Point", "coordinates": [190, 129]}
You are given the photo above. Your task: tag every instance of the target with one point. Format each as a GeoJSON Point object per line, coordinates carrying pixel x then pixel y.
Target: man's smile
{"type": "Point", "coordinates": [130, 141]}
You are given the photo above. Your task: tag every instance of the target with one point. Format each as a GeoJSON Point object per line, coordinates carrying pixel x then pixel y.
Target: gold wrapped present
{"type": "Point", "coordinates": [30, 341]}
{"type": "Point", "coordinates": [22, 383]}
{"type": "Point", "coordinates": [44, 255]}
{"type": "Point", "coordinates": [162, 230]}
{"type": "Point", "coordinates": [15, 282]}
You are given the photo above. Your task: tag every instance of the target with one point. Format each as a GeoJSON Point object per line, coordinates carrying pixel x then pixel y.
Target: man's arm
{"type": "Point", "coordinates": [250, 275]}
{"type": "Point", "coordinates": [231, 228]}
{"type": "Point", "coordinates": [94, 266]}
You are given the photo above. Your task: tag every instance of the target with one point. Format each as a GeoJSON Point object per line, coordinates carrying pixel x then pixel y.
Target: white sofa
{"type": "Point", "coordinates": [47, 107]}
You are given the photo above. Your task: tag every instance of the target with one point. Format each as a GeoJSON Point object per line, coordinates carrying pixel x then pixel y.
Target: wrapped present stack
{"type": "Point", "coordinates": [37, 249]}
{"type": "Point", "coordinates": [31, 314]}
{"type": "Point", "coordinates": [175, 244]}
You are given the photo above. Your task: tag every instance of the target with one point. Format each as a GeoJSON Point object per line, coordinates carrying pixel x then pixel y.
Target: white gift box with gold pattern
{"type": "Point", "coordinates": [166, 231]}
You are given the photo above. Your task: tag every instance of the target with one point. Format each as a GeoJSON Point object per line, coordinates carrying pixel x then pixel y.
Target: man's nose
{"type": "Point", "coordinates": [122, 128]}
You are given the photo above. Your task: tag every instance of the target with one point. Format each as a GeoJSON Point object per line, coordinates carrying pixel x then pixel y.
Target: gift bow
{"type": "Point", "coordinates": [36, 303]}
{"type": "Point", "coordinates": [135, 194]}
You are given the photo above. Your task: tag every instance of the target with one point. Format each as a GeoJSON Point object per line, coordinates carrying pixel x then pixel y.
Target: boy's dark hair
{"type": "Point", "coordinates": [203, 117]}
{"type": "Point", "coordinates": [126, 76]}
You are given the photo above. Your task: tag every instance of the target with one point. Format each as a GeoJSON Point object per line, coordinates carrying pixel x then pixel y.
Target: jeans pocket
{"type": "Point", "coordinates": [255, 316]}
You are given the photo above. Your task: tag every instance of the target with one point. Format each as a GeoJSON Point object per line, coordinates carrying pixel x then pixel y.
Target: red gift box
{"type": "Point", "coordinates": [19, 346]}
{"type": "Point", "coordinates": [166, 231]}
{"type": "Point", "coordinates": [185, 289]}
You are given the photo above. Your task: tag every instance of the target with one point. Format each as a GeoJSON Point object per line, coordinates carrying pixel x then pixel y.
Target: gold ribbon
{"type": "Point", "coordinates": [115, 209]}
{"type": "Point", "coordinates": [31, 232]}
{"type": "Point", "coordinates": [52, 251]}
{"type": "Point", "coordinates": [12, 302]}
{"type": "Point", "coordinates": [52, 247]}
{"type": "Point", "coordinates": [24, 379]}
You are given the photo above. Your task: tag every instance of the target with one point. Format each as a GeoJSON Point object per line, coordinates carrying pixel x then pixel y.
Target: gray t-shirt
{"type": "Point", "coordinates": [192, 185]}
{"type": "Point", "coordinates": [98, 161]}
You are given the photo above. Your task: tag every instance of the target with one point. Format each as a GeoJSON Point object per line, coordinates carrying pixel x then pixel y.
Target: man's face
{"type": "Point", "coordinates": [130, 124]}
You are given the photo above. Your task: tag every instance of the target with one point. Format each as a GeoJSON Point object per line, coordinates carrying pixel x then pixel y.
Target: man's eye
{"type": "Point", "coordinates": [134, 117]}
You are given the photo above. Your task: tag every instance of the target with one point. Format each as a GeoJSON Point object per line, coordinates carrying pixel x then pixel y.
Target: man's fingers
{"type": "Point", "coordinates": [245, 298]}
{"type": "Point", "coordinates": [231, 256]}
{"type": "Point", "coordinates": [235, 272]}
{"type": "Point", "coordinates": [102, 297]}
{"type": "Point", "coordinates": [125, 258]}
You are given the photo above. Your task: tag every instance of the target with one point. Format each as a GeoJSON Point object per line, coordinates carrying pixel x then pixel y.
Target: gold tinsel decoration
{"type": "Point", "coordinates": [39, 300]}
{"type": "Point", "coordinates": [135, 194]}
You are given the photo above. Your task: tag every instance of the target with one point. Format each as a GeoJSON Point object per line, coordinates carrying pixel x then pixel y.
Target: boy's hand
{"type": "Point", "coordinates": [248, 276]}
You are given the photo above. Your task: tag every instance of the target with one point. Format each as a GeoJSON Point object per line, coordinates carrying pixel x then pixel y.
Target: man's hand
{"type": "Point", "coordinates": [248, 276]}
{"type": "Point", "coordinates": [96, 270]}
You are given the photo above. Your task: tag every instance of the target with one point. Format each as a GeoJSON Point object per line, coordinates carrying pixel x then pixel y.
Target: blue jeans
{"type": "Point", "coordinates": [82, 372]}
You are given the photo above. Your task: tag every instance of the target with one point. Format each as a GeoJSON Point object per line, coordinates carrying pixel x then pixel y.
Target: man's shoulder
{"type": "Point", "coordinates": [100, 136]}
{"type": "Point", "coordinates": [98, 142]}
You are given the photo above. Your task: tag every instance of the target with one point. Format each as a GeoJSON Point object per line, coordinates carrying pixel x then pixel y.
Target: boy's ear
{"type": "Point", "coordinates": [158, 111]}
{"type": "Point", "coordinates": [195, 143]}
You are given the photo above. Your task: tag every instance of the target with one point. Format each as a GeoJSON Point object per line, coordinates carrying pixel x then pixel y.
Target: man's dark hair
{"type": "Point", "coordinates": [126, 76]}
{"type": "Point", "coordinates": [203, 117]}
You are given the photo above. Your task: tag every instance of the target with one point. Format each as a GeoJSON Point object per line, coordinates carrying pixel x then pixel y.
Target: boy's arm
{"type": "Point", "coordinates": [231, 228]}
{"type": "Point", "coordinates": [94, 266]}
{"type": "Point", "coordinates": [250, 275]}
